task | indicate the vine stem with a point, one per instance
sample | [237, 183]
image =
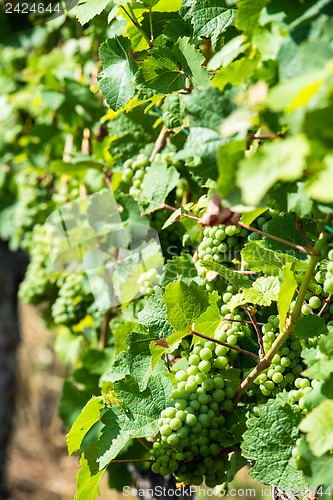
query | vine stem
[105, 329]
[133, 19]
[276, 238]
[234, 348]
[160, 142]
[256, 328]
[287, 330]
[326, 302]
[240, 321]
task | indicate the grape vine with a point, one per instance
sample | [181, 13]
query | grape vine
[210, 122]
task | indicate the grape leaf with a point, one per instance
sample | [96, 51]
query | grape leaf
[154, 316]
[201, 113]
[286, 293]
[281, 160]
[203, 143]
[269, 441]
[285, 227]
[191, 61]
[85, 10]
[236, 73]
[159, 74]
[320, 369]
[87, 418]
[318, 471]
[116, 79]
[319, 188]
[263, 292]
[321, 392]
[118, 370]
[261, 259]
[228, 53]
[238, 280]
[210, 18]
[228, 157]
[318, 426]
[325, 342]
[209, 321]
[248, 13]
[157, 183]
[309, 326]
[136, 417]
[185, 303]
[249, 217]
[173, 111]
[89, 474]
[299, 201]
[139, 358]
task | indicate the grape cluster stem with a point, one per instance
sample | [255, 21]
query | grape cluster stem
[225, 344]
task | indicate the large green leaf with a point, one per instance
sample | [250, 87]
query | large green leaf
[85, 10]
[154, 316]
[89, 475]
[310, 326]
[191, 61]
[136, 417]
[261, 259]
[160, 74]
[269, 441]
[185, 303]
[318, 426]
[210, 18]
[281, 160]
[116, 79]
[209, 321]
[238, 280]
[157, 183]
[319, 187]
[88, 417]
[286, 293]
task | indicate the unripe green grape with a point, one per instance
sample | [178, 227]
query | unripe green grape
[265, 391]
[194, 360]
[218, 382]
[227, 405]
[230, 392]
[221, 362]
[203, 399]
[181, 415]
[195, 405]
[173, 439]
[191, 420]
[315, 302]
[328, 285]
[192, 370]
[181, 375]
[205, 354]
[221, 350]
[165, 430]
[208, 384]
[205, 366]
[277, 378]
[285, 361]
